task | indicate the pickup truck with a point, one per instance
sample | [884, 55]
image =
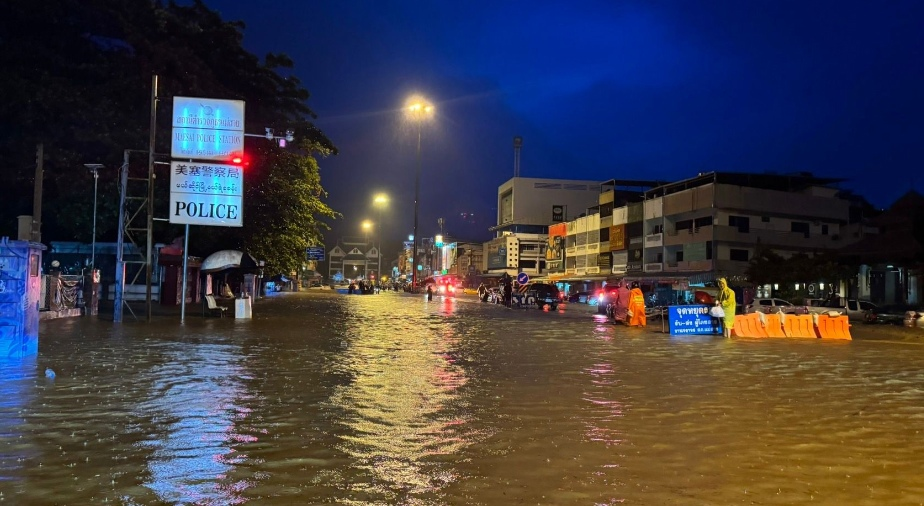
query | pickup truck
[856, 310]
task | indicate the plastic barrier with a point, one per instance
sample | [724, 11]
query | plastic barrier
[774, 326]
[800, 325]
[833, 327]
[748, 325]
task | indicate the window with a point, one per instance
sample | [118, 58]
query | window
[743, 223]
[657, 229]
[703, 221]
[824, 230]
[685, 225]
[800, 227]
[765, 219]
[708, 250]
[679, 256]
[605, 234]
[738, 255]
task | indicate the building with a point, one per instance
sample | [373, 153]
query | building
[526, 207]
[353, 258]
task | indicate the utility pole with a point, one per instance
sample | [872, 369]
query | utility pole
[149, 265]
[37, 192]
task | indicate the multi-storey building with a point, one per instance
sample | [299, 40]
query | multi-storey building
[709, 226]
[526, 207]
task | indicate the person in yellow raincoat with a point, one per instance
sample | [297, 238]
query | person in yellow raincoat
[637, 307]
[726, 300]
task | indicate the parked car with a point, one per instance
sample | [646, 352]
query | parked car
[914, 318]
[583, 298]
[774, 306]
[541, 294]
[856, 310]
[893, 315]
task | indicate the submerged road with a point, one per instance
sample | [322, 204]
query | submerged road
[390, 399]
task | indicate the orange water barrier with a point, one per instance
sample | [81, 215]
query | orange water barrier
[802, 326]
[833, 327]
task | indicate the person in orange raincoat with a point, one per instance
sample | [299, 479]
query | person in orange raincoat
[637, 306]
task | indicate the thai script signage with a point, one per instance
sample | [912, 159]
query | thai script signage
[207, 128]
[690, 320]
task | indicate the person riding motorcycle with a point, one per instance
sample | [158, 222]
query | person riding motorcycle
[619, 307]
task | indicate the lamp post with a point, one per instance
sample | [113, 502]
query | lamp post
[418, 109]
[380, 201]
[367, 226]
[94, 167]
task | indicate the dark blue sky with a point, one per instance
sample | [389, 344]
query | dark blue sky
[598, 90]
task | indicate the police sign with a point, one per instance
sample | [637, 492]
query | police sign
[206, 194]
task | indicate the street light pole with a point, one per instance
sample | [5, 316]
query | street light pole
[95, 168]
[418, 110]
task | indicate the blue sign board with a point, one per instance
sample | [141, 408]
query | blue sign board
[315, 253]
[522, 278]
[690, 320]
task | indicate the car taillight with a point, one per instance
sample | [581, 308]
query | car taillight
[450, 288]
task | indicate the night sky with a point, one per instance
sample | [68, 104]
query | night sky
[598, 90]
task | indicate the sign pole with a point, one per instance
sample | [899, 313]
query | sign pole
[185, 272]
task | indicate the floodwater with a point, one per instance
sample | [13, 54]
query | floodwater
[388, 399]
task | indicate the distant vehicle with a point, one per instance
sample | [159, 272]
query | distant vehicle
[774, 306]
[891, 315]
[583, 298]
[856, 310]
[605, 296]
[542, 294]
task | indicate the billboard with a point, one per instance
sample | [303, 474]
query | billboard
[618, 237]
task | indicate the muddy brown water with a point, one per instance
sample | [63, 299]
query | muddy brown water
[388, 399]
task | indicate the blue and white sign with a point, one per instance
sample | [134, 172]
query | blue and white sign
[315, 253]
[690, 320]
[522, 278]
[207, 128]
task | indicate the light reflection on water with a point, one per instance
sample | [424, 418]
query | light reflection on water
[391, 399]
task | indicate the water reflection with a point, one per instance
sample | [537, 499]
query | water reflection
[198, 401]
[17, 389]
[402, 408]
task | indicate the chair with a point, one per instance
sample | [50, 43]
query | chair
[213, 307]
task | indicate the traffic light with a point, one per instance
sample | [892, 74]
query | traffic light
[240, 159]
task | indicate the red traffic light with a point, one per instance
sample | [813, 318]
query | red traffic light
[240, 159]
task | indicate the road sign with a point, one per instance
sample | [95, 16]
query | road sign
[522, 278]
[206, 194]
[315, 253]
[207, 128]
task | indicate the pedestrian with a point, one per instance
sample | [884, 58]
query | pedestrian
[636, 315]
[429, 292]
[621, 303]
[726, 300]
[508, 292]
[482, 292]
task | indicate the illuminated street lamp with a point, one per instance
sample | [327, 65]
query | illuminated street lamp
[380, 201]
[367, 226]
[417, 110]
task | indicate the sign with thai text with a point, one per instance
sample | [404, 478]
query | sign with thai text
[691, 320]
[207, 128]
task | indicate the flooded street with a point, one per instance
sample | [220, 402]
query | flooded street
[389, 399]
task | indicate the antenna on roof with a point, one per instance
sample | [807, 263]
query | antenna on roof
[517, 144]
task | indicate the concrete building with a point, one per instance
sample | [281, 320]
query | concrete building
[526, 207]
